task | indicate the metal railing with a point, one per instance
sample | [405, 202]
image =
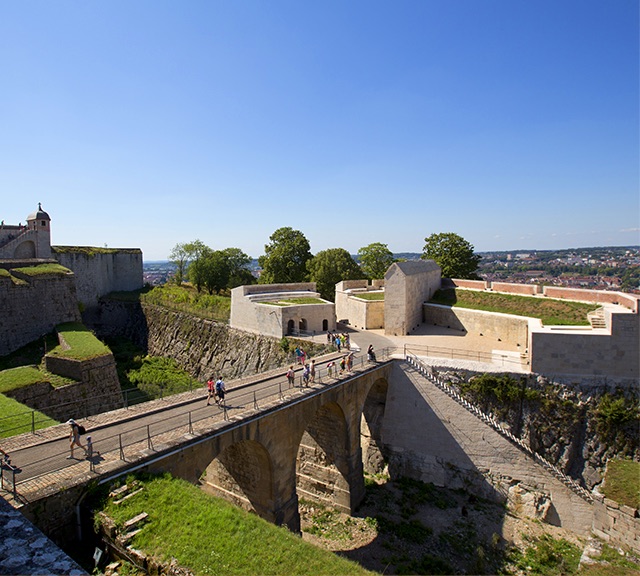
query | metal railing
[240, 403]
[491, 421]
[495, 358]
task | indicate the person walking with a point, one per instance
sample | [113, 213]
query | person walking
[74, 438]
[312, 371]
[211, 390]
[291, 376]
[221, 390]
[305, 374]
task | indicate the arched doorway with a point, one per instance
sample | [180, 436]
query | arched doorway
[325, 325]
[302, 325]
[290, 326]
[373, 453]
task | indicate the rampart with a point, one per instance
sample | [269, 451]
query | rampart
[361, 313]
[616, 523]
[33, 305]
[99, 271]
[97, 389]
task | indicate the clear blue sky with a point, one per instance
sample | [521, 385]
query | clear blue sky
[513, 123]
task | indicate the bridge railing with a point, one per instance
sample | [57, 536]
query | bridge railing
[426, 371]
[241, 402]
[496, 358]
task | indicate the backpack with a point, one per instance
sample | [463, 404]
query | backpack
[81, 429]
[218, 386]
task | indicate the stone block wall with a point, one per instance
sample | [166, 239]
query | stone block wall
[459, 283]
[32, 306]
[504, 329]
[100, 271]
[616, 524]
[363, 314]
[627, 300]
[524, 289]
[585, 353]
[97, 389]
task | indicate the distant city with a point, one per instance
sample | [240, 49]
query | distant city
[601, 268]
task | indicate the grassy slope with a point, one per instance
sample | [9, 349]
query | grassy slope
[551, 312]
[622, 482]
[83, 343]
[16, 418]
[210, 536]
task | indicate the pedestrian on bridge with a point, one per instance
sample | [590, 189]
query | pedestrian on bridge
[221, 389]
[74, 438]
[211, 389]
[291, 376]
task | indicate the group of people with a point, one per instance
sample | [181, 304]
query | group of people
[339, 340]
[216, 389]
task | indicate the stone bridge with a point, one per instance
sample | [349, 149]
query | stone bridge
[307, 443]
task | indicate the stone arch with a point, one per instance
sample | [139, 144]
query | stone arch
[26, 249]
[325, 325]
[373, 454]
[322, 464]
[243, 474]
[302, 325]
[290, 326]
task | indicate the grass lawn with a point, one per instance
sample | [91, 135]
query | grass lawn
[17, 418]
[186, 298]
[211, 536]
[41, 269]
[369, 295]
[622, 482]
[19, 377]
[83, 344]
[550, 312]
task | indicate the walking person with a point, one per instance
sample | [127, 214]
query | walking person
[305, 374]
[74, 438]
[211, 390]
[291, 376]
[221, 390]
[312, 371]
[371, 356]
[349, 361]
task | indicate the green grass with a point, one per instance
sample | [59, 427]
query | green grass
[210, 536]
[82, 342]
[369, 295]
[551, 312]
[548, 556]
[622, 482]
[294, 301]
[92, 250]
[5, 273]
[20, 377]
[42, 269]
[17, 418]
[187, 299]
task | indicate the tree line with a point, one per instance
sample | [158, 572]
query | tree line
[287, 258]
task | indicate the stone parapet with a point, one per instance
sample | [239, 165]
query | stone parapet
[524, 289]
[603, 296]
[618, 525]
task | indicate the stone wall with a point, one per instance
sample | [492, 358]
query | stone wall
[524, 289]
[459, 283]
[97, 389]
[33, 305]
[360, 313]
[503, 329]
[627, 300]
[100, 271]
[616, 524]
[590, 353]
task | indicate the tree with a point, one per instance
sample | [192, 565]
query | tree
[285, 258]
[239, 273]
[217, 271]
[331, 266]
[199, 269]
[453, 254]
[180, 257]
[375, 260]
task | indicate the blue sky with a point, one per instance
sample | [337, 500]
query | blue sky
[147, 123]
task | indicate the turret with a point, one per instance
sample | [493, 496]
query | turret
[40, 222]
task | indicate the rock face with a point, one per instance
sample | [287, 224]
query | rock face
[202, 347]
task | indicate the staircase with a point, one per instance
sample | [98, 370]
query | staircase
[597, 318]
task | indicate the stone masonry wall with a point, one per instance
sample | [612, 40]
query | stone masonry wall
[100, 272]
[32, 306]
[617, 524]
[525, 289]
[97, 389]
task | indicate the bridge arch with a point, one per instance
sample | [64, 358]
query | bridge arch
[371, 422]
[323, 464]
[243, 474]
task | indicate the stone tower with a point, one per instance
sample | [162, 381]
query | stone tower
[40, 223]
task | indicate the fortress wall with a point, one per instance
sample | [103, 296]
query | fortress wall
[504, 329]
[363, 314]
[32, 307]
[616, 524]
[586, 353]
[97, 389]
[100, 271]
[526, 289]
[627, 300]
[459, 283]
[295, 287]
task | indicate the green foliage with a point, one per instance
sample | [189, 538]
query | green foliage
[622, 482]
[498, 392]
[453, 254]
[210, 536]
[17, 418]
[82, 343]
[427, 564]
[285, 257]
[551, 312]
[157, 376]
[375, 260]
[284, 344]
[42, 269]
[549, 557]
[369, 295]
[180, 257]
[331, 266]
[187, 299]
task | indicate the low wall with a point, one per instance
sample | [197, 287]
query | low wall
[97, 390]
[459, 283]
[616, 524]
[504, 329]
[627, 300]
[524, 289]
